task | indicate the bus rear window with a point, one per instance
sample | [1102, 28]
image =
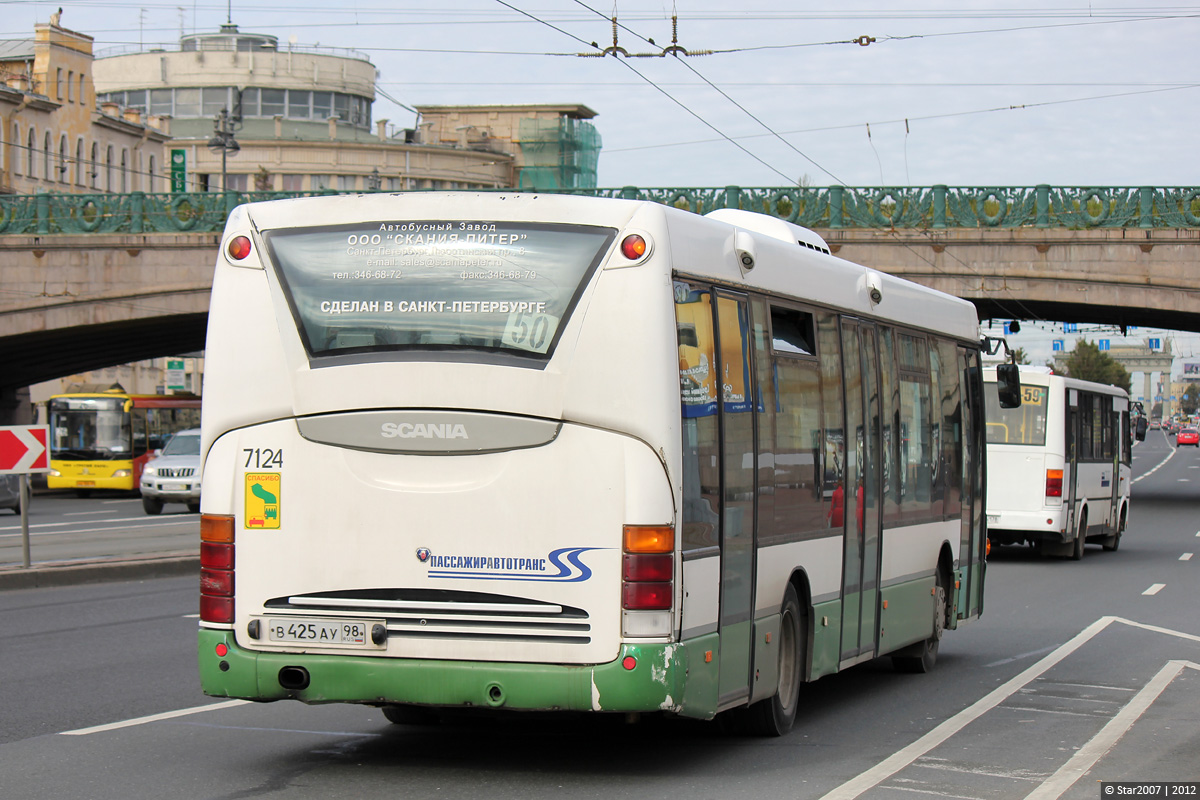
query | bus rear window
[491, 286]
[1025, 424]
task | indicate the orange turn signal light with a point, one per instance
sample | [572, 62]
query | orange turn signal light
[216, 528]
[649, 539]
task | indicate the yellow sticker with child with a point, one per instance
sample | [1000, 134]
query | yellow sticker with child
[262, 500]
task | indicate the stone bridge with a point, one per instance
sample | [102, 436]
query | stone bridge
[91, 281]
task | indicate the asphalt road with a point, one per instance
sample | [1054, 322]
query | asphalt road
[1077, 672]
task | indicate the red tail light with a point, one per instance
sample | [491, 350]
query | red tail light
[648, 570]
[1054, 478]
[646, 596]
[216, 568]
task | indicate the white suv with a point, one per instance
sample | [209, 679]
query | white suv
[174, 476]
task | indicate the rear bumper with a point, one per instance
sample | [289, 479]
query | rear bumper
[1046, 525]
[654, 684]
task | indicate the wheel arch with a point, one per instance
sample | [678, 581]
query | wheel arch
[800, 582]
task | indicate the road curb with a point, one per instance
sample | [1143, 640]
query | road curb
[46, 574]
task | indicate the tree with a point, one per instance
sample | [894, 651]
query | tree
[1020, 356]
[1088, 363]
[1191, 399]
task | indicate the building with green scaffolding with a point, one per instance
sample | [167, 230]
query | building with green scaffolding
[554, 147]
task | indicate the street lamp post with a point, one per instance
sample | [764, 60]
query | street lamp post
[224, 143]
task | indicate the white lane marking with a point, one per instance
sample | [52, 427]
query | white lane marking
[1183, 480]
[1011, 659]
[1087, 756]
[96, 530]
[907, 755]
[1186, 557]
[85, 513]
[1158, 466]
[1155, 589]
[183, 712]
[144, 519]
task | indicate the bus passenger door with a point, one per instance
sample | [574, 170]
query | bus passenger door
[973, 543]
[738, 472]
[860, 578]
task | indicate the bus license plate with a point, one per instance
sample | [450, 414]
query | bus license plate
[321, 632]
[993, 519]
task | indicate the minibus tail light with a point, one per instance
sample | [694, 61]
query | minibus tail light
[216, 568]
[1054, 482]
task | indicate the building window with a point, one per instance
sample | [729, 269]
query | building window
[46, 173]
[62, 160]
[292, 183]
[347, 183]
[150, 175]
[124, 171]
[319, 182]
[299, 104]
[30, 149]
[322, 105]
[70, 81]
[187, 102]
[58, 83]
[79, 165]
[94, 166]
[160, 102]
[215, 100]
[237, 183]
[82, 90]
[108, 169]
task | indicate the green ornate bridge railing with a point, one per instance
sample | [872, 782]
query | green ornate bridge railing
[830, 207]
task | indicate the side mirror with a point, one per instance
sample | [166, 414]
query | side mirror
[1139, 430]
[1008, 385]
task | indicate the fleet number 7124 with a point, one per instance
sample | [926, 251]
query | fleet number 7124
[263, 458]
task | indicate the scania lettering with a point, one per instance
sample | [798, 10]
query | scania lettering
[594, 455]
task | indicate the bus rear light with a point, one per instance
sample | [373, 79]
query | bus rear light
[649, 539]
[216, 568]
[633, 247]
[1054, 482]
[629, 662]
[216, 528]
[216, 582]
[239, 247]
[216, 556]
[649, 567]
[216, 609]
[646, 596]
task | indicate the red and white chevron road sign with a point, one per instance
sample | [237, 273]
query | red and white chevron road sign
[23, 448]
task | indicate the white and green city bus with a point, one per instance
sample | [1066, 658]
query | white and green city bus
[542, 452]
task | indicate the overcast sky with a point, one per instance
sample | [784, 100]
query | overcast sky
[1105, 93]
[988, 93]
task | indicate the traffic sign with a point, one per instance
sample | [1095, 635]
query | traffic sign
[175, 374]
[23, 449]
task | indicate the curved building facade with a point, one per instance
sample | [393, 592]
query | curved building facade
[301, 117]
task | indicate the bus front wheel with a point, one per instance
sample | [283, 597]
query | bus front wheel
[776, 715]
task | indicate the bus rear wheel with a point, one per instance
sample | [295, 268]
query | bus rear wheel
[922, 656]
[1114, 541]
[1080, 538]
[400, 714]
[776, 715]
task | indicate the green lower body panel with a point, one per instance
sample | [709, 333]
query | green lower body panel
[656, 681]
[908, 617]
